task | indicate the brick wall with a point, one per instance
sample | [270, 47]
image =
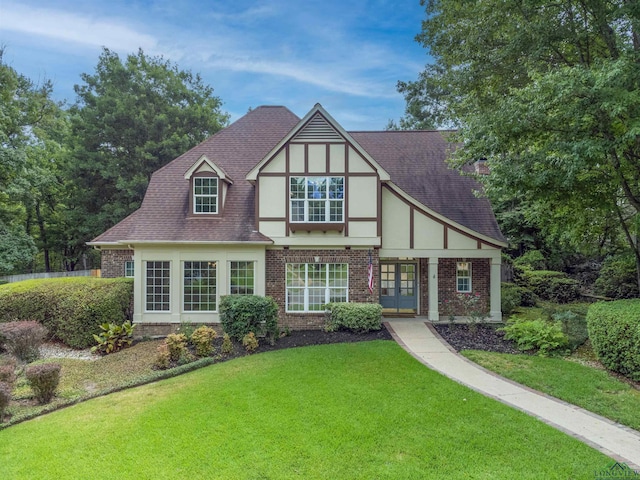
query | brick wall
[358, 261]
[112, 264]
[480, 283]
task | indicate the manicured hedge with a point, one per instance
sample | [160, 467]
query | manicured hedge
[614, 331]
[356, 317]
[241, 314]
[551, 285]
[71, 308]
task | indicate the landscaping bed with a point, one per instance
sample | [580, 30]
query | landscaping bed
[484, 337]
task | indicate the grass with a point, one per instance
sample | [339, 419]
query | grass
[359, 410]
[591, 388]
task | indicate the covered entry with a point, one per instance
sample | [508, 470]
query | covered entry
[399, 287]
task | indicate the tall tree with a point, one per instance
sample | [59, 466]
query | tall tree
[549, 93]
[132, 117]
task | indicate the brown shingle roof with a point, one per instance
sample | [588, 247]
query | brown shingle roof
[236, 149]
[414, 159]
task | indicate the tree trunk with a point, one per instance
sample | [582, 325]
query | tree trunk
[43, 238]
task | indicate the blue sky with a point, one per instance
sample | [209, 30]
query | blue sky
[346, 54]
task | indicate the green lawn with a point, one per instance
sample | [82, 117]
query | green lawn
[362, 410]
[588, 387]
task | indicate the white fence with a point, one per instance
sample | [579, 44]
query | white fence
[31, 276]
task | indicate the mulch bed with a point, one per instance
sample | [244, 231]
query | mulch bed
[485, 337]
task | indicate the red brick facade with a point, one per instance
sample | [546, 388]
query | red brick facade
[480, 284]
[358, 261]
[112, 265]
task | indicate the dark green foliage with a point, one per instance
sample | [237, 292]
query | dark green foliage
[510, 298]
[5, 398]
[537, 335]
[113, 337]
[250, 342]
[43, 380]
[614, 331]
[574, 325]
[241, 314]
[618, 277]
[356, 317]
[23, 339]
[202, 340]
[71, 309]
[551, 285]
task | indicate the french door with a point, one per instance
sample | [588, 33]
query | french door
[399, 287]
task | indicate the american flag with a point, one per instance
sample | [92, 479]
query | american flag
[370, 274]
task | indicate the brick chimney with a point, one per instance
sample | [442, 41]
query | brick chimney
[481, 167]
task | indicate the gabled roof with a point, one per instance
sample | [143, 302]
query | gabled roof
[163, 216]
[413, 161]
[201, 162]
[332, 129]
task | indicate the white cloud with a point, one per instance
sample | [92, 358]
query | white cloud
[72, 27]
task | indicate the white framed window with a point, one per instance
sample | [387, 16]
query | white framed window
[205, 195]
[129, 269]
[157, 286]
[199, 286]
[242, 278]
[317, 199]
[463, 277]
[310, 286]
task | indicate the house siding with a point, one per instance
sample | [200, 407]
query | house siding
[358, 260]
[112, 263]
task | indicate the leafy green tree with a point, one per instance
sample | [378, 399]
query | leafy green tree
[549, 93]
[132, 117]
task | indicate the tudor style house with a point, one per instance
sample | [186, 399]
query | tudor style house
[298, 209]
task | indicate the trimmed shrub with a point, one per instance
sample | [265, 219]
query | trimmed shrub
[163, 357]
[202, 340]
[72, 309]
[355, 317]
[250, 342]
[241, 314]
[540, 335]
[227, 345]
[43, 380]
[113, 337]
[534, 259]
[614, 331]
[551, 285]
[177, 345]
[23, 339]
[617, 278]
[5, 398]
[510, 298]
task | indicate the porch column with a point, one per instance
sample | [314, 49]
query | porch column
[494, 300]
[434, 314]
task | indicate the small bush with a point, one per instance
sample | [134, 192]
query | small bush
[5, 398]
[574, 325]
[510, 298]
[177, 345]
[8, 374]
[250, 342]
[241, 314]
[23, 339]
[202, 340]
[43, 380]
[227, 345]
[551, 285]
[72, 309]
[163, 357]
[355, 317]
[540, 335]
[614, 331]
[113, 337]
[617, 278]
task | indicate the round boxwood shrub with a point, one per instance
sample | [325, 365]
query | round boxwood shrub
[241, 314]
[614, 331]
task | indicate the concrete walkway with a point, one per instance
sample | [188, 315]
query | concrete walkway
[617, 441]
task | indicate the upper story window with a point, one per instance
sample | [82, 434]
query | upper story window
[205, 195]
[317, 199]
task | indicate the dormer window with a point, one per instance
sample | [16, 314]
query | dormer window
[317, 199]
[205, 195]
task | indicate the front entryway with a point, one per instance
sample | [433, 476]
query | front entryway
[399, 287]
